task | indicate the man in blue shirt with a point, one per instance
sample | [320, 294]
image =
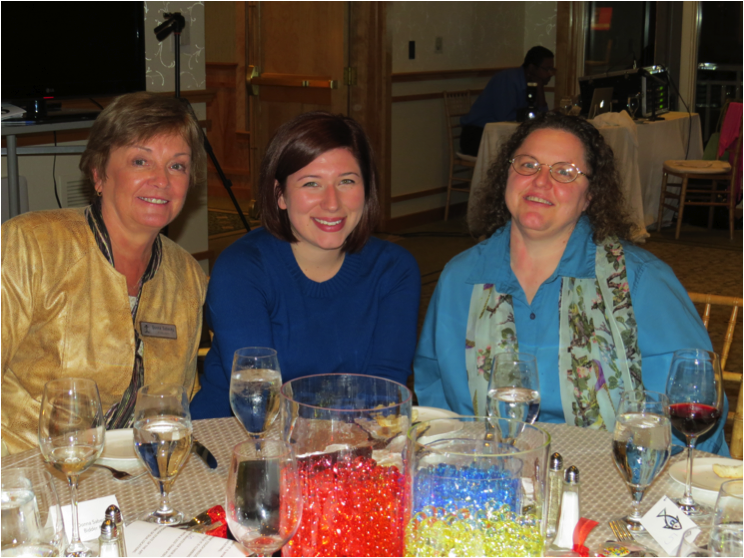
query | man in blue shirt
[505, 94]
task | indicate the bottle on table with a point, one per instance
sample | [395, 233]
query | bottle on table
[114, 513]
[555, 493]
[108, 542]
[570, 512]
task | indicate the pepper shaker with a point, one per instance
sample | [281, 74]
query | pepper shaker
[108, 542]
[114, 513]
[570, 512]
[555, 493]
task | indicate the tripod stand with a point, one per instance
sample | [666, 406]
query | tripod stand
[174, 23]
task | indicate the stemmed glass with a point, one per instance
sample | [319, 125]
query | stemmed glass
[514, 387]
[633, 104]
[31, 516]
[695, 391]
[264, 497]
[641, 444]
[162, 441]
[71, 437]
[726, 535]
[254, 388]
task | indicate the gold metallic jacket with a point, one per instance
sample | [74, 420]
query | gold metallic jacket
[65, 313]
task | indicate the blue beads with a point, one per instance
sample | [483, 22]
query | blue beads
[453, 488]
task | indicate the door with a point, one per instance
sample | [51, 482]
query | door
[298, 52]
[309, 56]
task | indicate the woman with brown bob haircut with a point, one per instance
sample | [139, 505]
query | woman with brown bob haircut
[313, 283]
[557, 278]
[81, 287]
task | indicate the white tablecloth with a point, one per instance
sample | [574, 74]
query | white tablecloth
[640, 167]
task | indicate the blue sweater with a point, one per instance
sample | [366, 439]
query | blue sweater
[361, 321]
[667, 321]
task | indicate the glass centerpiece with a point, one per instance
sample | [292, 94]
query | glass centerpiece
[348, 432]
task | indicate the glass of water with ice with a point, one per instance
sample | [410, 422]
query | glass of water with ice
[31, 516]
[514, 387]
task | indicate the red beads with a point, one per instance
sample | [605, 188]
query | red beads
[351, 507]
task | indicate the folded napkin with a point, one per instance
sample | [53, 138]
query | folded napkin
[621, 119]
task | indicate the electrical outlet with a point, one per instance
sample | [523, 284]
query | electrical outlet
[438, 45]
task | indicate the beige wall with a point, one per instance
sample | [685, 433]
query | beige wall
[190, 228]
[474, 35]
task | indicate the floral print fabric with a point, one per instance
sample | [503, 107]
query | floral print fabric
[598, 351]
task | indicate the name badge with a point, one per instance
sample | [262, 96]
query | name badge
[165, 331]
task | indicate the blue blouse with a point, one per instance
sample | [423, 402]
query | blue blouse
[667, 321]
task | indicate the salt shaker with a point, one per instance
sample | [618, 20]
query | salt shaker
[114, 513]
[555, 493]
[108, 542]
[570, 512]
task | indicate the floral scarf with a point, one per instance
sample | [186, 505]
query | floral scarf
[598, 350]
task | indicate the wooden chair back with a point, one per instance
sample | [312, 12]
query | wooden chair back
[734, 303]
[457, 104]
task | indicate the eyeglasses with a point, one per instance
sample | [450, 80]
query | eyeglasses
[561, 172]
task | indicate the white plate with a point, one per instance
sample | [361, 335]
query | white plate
[440, 428]
[703, 477]
[119, 446]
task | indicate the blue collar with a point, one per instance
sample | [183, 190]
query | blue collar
[494, 264]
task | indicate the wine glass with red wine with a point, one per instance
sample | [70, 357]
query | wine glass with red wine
[695, 391]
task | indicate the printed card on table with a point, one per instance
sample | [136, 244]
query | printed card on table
[91, 514]
[666, 523]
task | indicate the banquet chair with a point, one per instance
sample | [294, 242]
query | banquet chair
[735, 303]
[715, 173]
[457, 104]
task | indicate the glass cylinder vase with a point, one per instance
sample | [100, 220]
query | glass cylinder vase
[348, 432]
[478, 487]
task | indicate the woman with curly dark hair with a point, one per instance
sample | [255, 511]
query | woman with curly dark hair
[557, 277]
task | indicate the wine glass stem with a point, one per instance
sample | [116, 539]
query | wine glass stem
[637, 497]
[165, 507]
[72, 480]
[687, 499]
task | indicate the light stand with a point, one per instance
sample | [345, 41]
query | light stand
[174, 23]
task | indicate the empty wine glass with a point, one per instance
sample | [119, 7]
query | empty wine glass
[31, 516]
[254, 388]
[695, 391]
[162, 441]
[641, 444]
[514, 387]
[264, 498]
[71, 437]
[633, 104]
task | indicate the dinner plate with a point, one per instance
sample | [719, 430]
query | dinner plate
[703, 477]
[119, 446]
[439, 428]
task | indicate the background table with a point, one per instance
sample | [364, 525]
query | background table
[604, 495]
[640, 166]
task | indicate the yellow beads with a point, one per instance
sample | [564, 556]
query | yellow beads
[434, 532]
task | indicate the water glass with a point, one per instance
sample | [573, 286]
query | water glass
[726, 535]
[254, 388]
[264, 496]
[710, 542]
[31, 515]
[641, 444]
[162, 441]
[514, 387]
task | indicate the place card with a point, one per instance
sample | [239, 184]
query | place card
[91, 513]
[149, 539]
[666, 523]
